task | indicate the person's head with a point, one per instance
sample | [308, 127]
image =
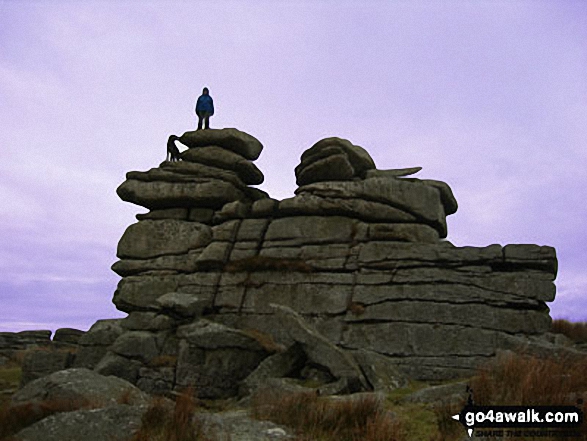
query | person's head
[205, 91]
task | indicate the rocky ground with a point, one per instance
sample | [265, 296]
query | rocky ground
[78, 403]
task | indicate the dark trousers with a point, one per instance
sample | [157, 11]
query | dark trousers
[203, 116]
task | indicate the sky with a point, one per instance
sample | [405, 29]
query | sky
[488, 96]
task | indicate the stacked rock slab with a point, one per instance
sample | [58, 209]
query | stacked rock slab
[358, 253]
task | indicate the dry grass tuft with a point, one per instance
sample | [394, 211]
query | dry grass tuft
[162, 422]
[448, 429]
[363, 418]
[576, 331]
[518, 379]
[521, 379]
[13, 419]
[125, 397]
[264, 263]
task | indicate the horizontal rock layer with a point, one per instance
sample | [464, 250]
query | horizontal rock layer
[357, 253]
[355, 281]
[232, 139]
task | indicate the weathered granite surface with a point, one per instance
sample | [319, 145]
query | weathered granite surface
[357, 252]
[357, 258]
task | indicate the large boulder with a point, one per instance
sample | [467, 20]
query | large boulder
[308, 204]
[157, 381]
[93, 345]
[279, 365]
[114, 423]
[229, 138]
[321, 352]
[81, 386]
[183, 304]
[447, 198]
[141, 292]
[380, 371]
[215, 358]
[102, 333]
[333, 159]
[184, 171]
[421, 200]
[119, 366]
[184, 263]
[531, 256]
[238, 425]
[153, 238]
[139, 345]
[67, 336]
[225, 159]
[335, 167]
[209, 193]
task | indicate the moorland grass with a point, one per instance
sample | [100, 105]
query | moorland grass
[520, 379]
[576, 331]
[17, 417]
[179, 422]
[315, 418]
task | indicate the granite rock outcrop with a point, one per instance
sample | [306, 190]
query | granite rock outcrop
[38, 354]
[349, 284]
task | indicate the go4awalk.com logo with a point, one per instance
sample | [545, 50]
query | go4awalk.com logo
[537, 421]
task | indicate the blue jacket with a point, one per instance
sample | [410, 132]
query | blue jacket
[205, 104]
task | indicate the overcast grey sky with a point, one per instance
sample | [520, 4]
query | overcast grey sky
[488, 96]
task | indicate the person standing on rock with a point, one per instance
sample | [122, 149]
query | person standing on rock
[204, 109]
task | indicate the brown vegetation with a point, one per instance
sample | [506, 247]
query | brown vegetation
[126, 397]
[521, 379]
[448, 429]
[577, 332]
[166, 422]
[265, 263]
[15, 418]
[312, 418]
[518, 379]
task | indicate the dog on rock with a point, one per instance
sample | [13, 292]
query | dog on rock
[172, 150]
